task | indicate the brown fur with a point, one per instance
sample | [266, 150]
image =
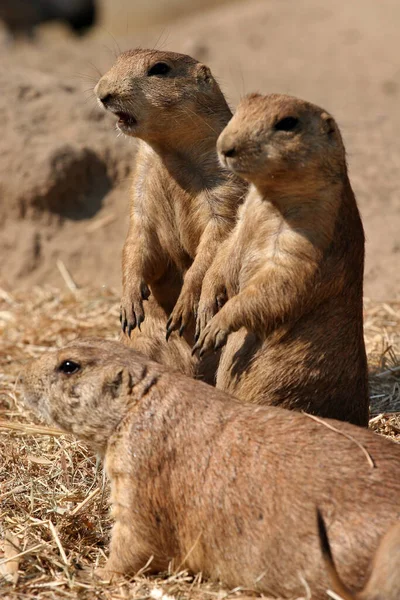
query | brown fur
[183, 202]
[292, 269]
[384, 580]
[217, 485]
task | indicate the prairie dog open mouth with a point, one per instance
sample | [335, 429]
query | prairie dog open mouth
[125, 120]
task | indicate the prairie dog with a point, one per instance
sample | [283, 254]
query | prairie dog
[291, 272]
[216, 485]
[384, 580]
[183, 202]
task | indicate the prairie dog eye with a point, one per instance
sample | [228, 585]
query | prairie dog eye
[286, 124]
[69, 367]
[159, 68]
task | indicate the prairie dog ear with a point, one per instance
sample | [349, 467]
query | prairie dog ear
[328, 123]
[117, 382]
[253, 96]
[204, 73]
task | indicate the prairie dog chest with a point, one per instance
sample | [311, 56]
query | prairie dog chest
[191, 214]
[263, 238]
[176, 216]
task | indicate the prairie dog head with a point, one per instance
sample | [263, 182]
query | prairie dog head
[154, 94]
[277, 140]
[87, 387]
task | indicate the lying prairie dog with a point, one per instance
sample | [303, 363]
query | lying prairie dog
[216, 485]
[384, 580]
[291, 272]
[183, 202]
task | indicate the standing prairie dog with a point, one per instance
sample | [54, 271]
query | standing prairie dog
[183, 202]
[292, 269]
[216, 485]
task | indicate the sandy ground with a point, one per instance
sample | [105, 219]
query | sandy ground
[123, 17]
[64, 174]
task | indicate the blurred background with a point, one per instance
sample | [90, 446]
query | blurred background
[64, 173]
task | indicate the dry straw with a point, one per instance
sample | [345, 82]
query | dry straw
[54, 518]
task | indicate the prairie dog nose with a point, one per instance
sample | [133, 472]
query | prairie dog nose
[227, 145]
[228, 152]
[102, 91]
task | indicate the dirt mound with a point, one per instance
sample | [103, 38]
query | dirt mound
[64, 174]
[60, 166]
[53, 156]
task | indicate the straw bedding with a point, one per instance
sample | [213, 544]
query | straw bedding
[54, 516]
